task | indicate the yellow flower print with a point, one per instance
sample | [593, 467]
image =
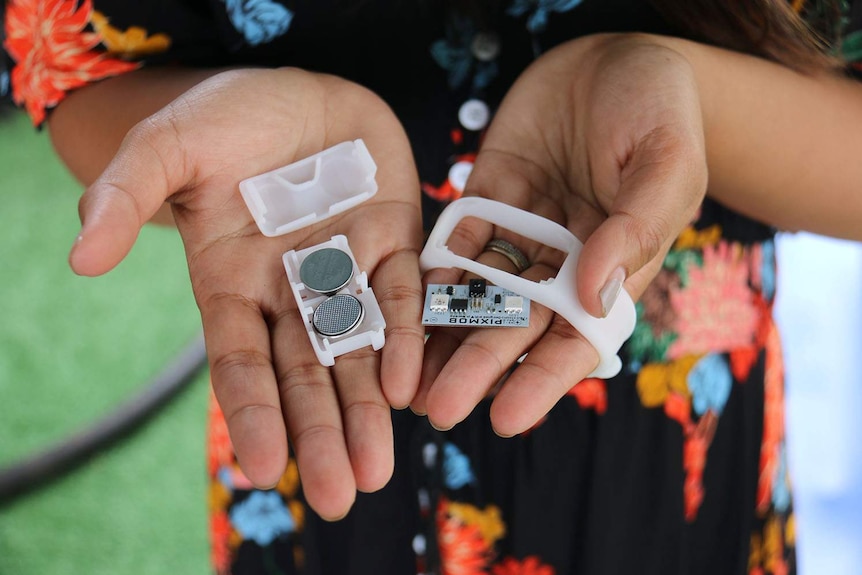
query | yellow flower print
[488, 521]
[652, 384]
[692, 239]
[755, 557]
[289, 482]
[219, 496]
[790, 531]
[298, 512]
[656, 380]
[773, 547]
[235, 539]
[133, 43]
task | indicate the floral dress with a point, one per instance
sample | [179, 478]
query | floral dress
[677, 465]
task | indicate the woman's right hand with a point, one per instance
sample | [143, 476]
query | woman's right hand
[603, 135]
[193, 153]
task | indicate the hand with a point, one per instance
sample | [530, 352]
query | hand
[603, 135]
[193, 154]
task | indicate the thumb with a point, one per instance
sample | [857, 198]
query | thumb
[148, 167]
[660, 189]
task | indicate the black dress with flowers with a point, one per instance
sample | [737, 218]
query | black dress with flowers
[677, 465]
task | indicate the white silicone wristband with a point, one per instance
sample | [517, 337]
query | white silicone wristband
[560, 294]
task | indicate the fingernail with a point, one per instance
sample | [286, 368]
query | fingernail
[72, 251]
[440, 428]
[611, 290]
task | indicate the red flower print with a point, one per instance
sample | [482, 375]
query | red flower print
[695, 448]
[220, 532]
[529, 566]
[773, 419]
[449, 190]
[463, 550]
[53, 54]
[742, 359]
[678, 408]
[591, 393]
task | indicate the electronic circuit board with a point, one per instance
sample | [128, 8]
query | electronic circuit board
[475, 305]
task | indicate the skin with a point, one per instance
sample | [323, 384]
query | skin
[617, 137]
[193, 154]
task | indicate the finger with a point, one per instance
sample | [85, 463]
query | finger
[554, 365]
[659, 191]
[443, 342]
[397, 286]
[367, 419]
[467, 239]
[478, 363]
[440, 347]
[149, 166]
[238, 346]
[314, 424]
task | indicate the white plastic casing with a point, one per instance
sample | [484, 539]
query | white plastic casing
[560, 294]
[370, 330]
[310, 190]
[304, 193]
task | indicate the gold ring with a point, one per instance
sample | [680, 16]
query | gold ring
[512, 253]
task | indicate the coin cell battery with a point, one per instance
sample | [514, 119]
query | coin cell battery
[337, 306]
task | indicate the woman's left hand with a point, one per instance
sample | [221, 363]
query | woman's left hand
[603, 135]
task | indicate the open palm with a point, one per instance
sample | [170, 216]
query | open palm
[265, 375]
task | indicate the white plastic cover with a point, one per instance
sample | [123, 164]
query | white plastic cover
[310, 190]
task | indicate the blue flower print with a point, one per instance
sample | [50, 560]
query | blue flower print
[767, 272]
[4, 83]
[710, 381]
[454, 54]
[262, 517]
[259, 21]
[225, 478]
[538, 20]
[780, 488]
[456, 468]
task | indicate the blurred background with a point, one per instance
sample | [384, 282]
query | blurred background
[71, 349]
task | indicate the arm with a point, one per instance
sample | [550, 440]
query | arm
[781, 146]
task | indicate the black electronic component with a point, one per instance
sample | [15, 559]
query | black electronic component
[458, 305]
[450, 290]
[477, 287]
[498, 299]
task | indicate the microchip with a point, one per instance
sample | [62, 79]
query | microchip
[498, 299]
[477, 288]
[513, 304]
[450, 290]
[439, 302]
[458, 304]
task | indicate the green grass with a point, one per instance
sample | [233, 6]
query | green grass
[71, 349]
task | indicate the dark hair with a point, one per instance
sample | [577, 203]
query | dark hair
[801, 34]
